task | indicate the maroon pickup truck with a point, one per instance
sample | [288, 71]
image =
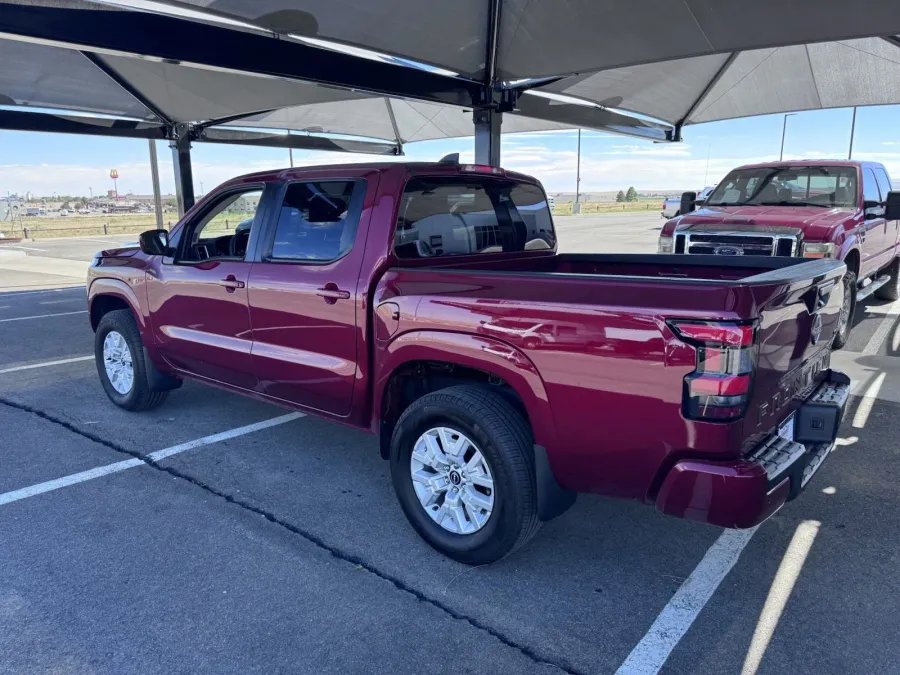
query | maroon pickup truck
[812, 209]
[427, 304]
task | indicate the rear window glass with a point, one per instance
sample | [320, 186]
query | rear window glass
[464, 216]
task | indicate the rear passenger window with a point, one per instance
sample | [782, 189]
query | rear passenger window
[317, 221]
[468, 215]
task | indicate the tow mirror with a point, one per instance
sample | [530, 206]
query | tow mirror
[688, 202]
[892, 206]
[155, 242]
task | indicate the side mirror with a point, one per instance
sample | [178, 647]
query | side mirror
[892, 206]
[688, 202]
[155, 242]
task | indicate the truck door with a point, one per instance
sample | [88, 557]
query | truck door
[198, 297]
[875, 254]
[304, 298]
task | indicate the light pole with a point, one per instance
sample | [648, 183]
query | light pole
[783, 130]
[578, 171]
[852, 131]
[706, 173]
[290, 151]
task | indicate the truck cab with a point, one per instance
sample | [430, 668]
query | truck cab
[812, 209]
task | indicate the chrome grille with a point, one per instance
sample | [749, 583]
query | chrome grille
[712, 243]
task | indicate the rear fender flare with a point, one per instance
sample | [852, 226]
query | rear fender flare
[499, 359]
[479, 352]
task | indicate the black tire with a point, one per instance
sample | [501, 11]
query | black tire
[891, 290]
[139, 397]
[504, 438]
[843, 332]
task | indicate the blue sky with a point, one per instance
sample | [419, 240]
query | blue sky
[48, 163]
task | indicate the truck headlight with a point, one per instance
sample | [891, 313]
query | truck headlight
[812, 250]
[666, 245]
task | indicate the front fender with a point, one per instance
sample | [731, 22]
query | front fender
[119, 289]
[473, 351]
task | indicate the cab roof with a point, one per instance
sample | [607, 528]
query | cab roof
[814, 162]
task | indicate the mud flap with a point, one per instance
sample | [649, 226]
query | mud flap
[156, 380]
[552, 499]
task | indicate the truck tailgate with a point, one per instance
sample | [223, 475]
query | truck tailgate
[798, 314]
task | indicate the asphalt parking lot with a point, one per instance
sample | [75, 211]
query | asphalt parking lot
[218, 534]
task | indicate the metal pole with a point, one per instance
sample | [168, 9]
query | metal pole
[783, 131]
[708, 153]
[181, 159]
[290, 152]
[578, 171]
[852, 132]
[154, 177]
[487, 136]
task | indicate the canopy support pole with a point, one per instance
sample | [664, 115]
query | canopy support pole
[489, 117]
[180, 142]
[154, 177]
[487, 136]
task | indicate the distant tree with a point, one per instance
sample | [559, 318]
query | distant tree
[620, 197]
[631, 195]
[66, 206]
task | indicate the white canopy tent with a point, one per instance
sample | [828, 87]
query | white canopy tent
[406, 70]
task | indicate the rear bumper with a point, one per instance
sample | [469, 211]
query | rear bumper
[745, 492]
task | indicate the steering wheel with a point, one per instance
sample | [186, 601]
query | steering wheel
[424, 250]
[237, 247]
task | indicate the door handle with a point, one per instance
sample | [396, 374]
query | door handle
[230, 283]
[332, 293]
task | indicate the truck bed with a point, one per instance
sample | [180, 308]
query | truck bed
[595, 328]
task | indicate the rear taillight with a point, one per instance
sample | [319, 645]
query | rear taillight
[719, 387]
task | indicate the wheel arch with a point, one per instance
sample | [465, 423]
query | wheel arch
[107, 295]
[852, 259]
[422, 361]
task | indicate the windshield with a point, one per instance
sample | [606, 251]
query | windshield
[823, 186]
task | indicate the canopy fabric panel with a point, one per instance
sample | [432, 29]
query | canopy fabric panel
[39, 76]
[756, 82]
[191, 94]
[451, 35]
[412, 120]
[805, 77]
[539, 39]
[545, 38]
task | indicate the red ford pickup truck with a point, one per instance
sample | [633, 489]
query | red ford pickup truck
[428, 304]
[813, 209]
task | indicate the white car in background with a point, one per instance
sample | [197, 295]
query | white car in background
[551, 202]
[672, 206]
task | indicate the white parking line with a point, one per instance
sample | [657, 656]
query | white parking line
[871, 349]
[24, 248]
[81, 477]
[59, 302]
[45, 364]
[43, 316]
[45, 290]
[677, 616]
[102, 241]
